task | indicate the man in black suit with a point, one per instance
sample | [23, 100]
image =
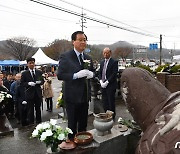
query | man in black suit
[76, 74]
[108, 80]
[32, 80]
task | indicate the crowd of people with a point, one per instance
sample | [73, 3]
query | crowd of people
[75, 69]
[27, 89]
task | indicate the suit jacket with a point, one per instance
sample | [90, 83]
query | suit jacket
[73, 88]
[111, 72]
[20, 94]
[30, 91]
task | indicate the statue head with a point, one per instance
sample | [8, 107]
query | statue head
[143, 95]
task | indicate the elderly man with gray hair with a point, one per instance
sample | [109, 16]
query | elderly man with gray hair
[108, 80]
[13, 89]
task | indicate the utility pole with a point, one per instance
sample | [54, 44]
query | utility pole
[160, 57]
[83, 21]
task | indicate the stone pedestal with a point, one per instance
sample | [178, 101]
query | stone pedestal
[5, 126]
[114, 142]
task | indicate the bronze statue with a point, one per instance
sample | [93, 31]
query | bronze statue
[155, 109]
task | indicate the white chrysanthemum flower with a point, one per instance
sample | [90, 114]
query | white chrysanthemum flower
[58, 127]
[87, 61]
[69, 130]
[8, 96]
[35, 133]
[46, 125]
[53, 121]
[120, 119]
[49, 132]
[39, 126]
[43, 136]
[1, 99]
[61, 137]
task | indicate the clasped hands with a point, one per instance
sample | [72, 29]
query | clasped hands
[34, 83]
[104, 84]
[84, 73]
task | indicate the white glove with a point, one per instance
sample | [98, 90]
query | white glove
[90, 74]
[24, 102]
[31, 84]
[38, 82]
[101, 82]
[81, 73]
[104, 84]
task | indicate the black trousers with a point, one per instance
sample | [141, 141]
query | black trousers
[108, 100]
[77, 114]
[49, 103]
[31, 103]
[17, 110]
[23, 113]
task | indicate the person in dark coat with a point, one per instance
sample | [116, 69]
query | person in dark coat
[10, 106]
[22, 104]
[108, 80]
[3, 109]
[32, 80]
[13, 89]
[76, 74]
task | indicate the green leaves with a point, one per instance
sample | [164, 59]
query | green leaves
[128, 123]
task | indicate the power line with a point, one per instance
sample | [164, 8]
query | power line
[90, 18]
[30, 13]
[104, 16]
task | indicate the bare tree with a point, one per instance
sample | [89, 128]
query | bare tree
[57, 47]
[122, 53]
[20, 47]
[95, 53]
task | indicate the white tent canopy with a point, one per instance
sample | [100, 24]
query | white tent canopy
[42, 59]
[176, 59]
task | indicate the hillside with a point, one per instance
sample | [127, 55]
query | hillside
[166, 53]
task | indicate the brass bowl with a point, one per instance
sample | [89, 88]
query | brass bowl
[83, 138]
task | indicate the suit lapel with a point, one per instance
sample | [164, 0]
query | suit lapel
[109, 63]
[75, 58]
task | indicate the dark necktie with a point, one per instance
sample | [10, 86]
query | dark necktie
[81, 60]
[34, 76]
[104, 71]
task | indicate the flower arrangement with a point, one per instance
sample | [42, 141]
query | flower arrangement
[51, 134]
[87, 63]
[4, 96]
[129, 123]
[60, 101]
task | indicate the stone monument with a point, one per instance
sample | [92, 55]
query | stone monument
[155, 109]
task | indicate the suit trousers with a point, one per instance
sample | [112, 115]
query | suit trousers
[108, 100]
[77, 114]
[23, 113]
[31, 103]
